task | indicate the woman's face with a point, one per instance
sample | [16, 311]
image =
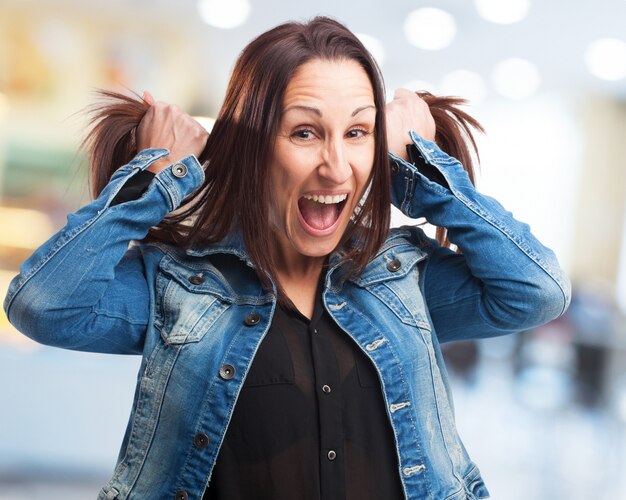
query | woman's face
[323, 155]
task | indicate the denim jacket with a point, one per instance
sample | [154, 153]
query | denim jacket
[197, 317]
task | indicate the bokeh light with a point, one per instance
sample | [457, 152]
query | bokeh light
[224, 14]
[516, 78]
[430, 29]
[606, 59]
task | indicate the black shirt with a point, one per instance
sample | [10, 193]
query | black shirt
[310, 422]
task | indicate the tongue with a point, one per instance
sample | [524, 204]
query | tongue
[318, 215]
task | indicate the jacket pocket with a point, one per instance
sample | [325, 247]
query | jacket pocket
[186, 303]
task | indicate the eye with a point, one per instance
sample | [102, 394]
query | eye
[303, 134]
[358, 133]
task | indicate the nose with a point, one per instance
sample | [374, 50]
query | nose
[335, 165]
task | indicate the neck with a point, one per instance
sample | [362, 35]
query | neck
[294, 266]
[297, 274]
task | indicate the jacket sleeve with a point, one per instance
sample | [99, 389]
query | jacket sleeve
[84, 289]
[133, 188]
[504, 281]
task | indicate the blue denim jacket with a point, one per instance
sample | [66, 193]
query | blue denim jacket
[189, 314]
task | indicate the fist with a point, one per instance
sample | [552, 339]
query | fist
[407, 112]
[166, 126]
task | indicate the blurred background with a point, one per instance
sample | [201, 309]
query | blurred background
[543, 413]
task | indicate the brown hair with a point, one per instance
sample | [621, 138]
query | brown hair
[239, 148]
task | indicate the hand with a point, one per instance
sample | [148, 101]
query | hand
[407, 112]
[166, 126]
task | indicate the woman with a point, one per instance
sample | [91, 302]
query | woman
[279, 287]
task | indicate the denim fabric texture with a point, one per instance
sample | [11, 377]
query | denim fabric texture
[92, 287]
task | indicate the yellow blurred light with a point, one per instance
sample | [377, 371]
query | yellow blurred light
[8, 334]
[4, 107]
[23, 228]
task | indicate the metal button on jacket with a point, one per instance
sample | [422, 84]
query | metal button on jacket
[393, 265]
[332, 455]
[227, 371]
[179, 170]
[326, 388]
[181, 495]
[394, 168]
[196, 279]
[252, 319]
[201, 440]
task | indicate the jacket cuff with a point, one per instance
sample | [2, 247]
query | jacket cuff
[429, 167]
[176, 181]
[181, 179]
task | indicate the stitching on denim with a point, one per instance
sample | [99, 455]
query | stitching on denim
[372, 346]
[398, 406]
[412, 470]
[337, 307]
[402, 379]
[486, 216]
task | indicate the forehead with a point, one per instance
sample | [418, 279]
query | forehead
[322, 81]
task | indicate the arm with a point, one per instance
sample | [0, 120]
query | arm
[83, 289]
[504, 281]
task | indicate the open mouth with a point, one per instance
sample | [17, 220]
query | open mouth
[320, 213]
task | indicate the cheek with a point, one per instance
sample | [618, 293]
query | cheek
[364, 170]
[284, 187]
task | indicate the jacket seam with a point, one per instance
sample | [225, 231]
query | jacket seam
[476, 209]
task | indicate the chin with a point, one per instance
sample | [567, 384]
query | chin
[316, 249]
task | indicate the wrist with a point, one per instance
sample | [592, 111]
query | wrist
[159, 165]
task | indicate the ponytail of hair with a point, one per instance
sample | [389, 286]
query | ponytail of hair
[454, 136]
[111, 142]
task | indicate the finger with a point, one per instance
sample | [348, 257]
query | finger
[403, 93]
[147, 97]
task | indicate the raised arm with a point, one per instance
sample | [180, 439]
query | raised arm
[505, 280]
[84, 289]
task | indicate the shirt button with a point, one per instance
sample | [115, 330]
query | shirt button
[201, 440]
[196, 279]
[227, 371]
[332, 454]
[393, 265]
[326, 388]
[181, 495]
[394, 168]
[252, 319]
[179, 170]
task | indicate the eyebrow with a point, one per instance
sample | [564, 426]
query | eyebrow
[319, 113]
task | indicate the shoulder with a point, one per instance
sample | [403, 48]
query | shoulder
[411, 236]
[404, 248]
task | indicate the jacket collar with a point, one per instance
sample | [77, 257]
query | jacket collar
[231, 244]
[381, 268]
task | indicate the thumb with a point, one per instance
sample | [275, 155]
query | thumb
[147, 97]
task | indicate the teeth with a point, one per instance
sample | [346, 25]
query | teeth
[328, 199]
